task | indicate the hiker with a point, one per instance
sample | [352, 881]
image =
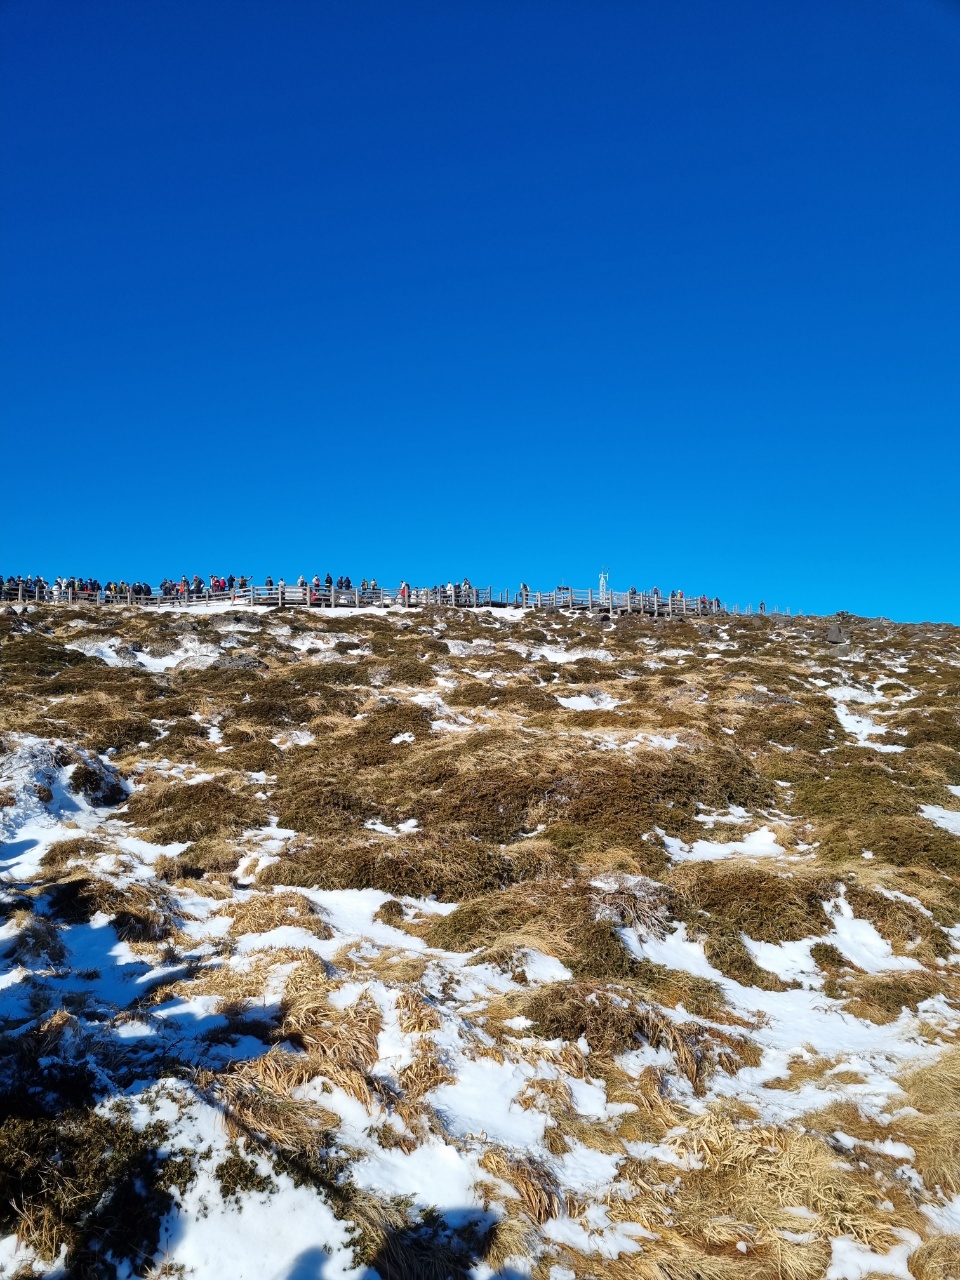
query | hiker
[763, 606]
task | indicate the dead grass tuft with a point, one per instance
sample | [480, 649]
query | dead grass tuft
[342, 1041]
[262, 912]
[141, 912]
[257, 1103]
[415, 1013]
[611, 1022]
[536, 1188]
[426, 1072]
[934, 1133]
[171, 812]
[938, 1259]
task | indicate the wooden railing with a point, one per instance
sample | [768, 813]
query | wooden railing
[282, 595]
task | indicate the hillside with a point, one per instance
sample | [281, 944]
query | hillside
[447, 943]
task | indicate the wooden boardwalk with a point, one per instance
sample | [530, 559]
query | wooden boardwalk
[281, 595]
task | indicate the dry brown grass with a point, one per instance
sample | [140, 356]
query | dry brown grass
[934, 1092]
[343, 1041]
[938, 1259]
[883, 997]
[527, 763]
[261, 912]
[555, 917]
[61, 853]
[142, 912]
[534, 1184]
[426, 1072]
[415, 1013]
[758, 1172]
[170, 811]
[257, 1102]
[901, 923]
[611, 1021]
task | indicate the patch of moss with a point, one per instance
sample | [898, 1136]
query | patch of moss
[238, 1174]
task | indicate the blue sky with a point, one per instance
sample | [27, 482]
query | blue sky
[513, 290]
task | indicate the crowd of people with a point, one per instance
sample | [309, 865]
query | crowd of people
[316, 590]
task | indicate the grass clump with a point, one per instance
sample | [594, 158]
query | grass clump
[625, 799]
[901, 923]
[175, 812]
[141, 912]
[210, 855]
[451, 870]
[372, 743]
[899, 841]
[100, 785]
[883, 997]
[262, 912]
[721, 902]
[90, 1184]
[559, 918]
[62, 852]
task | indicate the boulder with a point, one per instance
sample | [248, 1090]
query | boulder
[835, 635]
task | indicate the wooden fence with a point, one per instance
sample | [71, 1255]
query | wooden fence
[281, 595]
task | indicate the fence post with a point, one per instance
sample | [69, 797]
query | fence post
[280, 590]
[358, 597]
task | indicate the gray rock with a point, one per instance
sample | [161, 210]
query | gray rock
[835, 635]
[239, 662]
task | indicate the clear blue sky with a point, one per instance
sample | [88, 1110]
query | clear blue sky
[510, 288]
